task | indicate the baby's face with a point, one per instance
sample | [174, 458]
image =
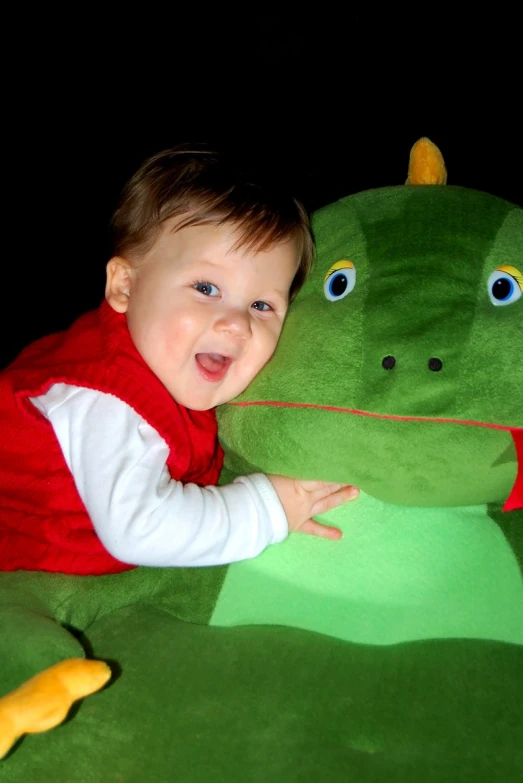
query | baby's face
[206, 317]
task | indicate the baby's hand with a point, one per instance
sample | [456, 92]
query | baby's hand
[302, 500]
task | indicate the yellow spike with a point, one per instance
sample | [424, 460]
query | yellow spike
[44, 701]
[426, 164]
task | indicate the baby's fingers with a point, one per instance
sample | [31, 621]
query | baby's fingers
[312, 528]
[321, 488]
[334, 499]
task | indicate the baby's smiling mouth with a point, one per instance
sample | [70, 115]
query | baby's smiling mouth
[213, 366]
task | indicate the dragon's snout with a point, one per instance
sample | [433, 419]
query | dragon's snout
[434, 364]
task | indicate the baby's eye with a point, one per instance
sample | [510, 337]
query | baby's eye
[208, 289]
[263, 306]
[339, 280]
[505, 285]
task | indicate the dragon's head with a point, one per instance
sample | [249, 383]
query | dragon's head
[400, 366]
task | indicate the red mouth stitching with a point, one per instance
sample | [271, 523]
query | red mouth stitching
[514, 500]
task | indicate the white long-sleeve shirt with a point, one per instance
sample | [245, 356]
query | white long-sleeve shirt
[140, 514]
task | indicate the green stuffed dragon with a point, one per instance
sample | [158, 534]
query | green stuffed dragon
[400, 371]
[394, 654]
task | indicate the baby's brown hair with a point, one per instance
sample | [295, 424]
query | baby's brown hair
[208, 187]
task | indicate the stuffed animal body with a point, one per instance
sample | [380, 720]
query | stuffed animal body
[399, 371]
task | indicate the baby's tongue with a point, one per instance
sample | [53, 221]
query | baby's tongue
[212, 362]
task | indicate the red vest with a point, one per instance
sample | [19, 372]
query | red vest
[44, 525]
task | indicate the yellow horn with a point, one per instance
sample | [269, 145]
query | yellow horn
[426, 164]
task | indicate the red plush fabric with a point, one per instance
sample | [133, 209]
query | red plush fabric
[515, 499]
[43, 522]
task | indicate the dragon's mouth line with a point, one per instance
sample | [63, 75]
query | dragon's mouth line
[515, 499]
[371, 414]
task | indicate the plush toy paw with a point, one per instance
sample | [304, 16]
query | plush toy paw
[43, 702]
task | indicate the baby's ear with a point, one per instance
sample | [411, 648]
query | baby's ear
[118, 285]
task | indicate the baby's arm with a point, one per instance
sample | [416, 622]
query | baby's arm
[141, 515]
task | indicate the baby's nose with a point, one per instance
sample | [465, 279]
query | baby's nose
[236, 321]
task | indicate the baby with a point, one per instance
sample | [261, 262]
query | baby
[109, 455]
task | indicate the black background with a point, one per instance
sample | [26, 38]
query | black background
[330, 99]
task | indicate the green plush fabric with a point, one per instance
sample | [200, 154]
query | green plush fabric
[395, 654]
[197, 704]
[422, 256]
[425, 553]
[400, 573]
[56, 609]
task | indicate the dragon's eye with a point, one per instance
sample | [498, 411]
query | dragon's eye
[505, 285]
[339, 280]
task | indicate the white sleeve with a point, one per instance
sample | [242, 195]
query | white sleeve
[141, 515]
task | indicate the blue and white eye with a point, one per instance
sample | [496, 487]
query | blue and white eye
[205, 288]
[339, 280]
[505, 285]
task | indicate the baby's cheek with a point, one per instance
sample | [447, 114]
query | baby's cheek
[266, 352]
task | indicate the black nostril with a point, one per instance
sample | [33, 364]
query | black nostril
[435, 364]
[388, 362]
